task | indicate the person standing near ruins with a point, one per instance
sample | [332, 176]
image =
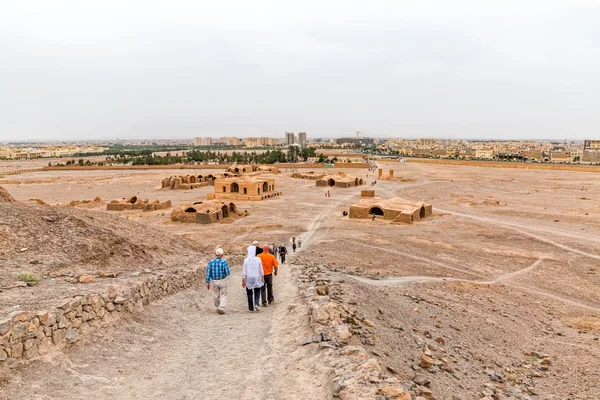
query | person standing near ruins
[270, 266]
[217, 271]
[299, 242]
[253, 279]
[294, 247]
[282, 252]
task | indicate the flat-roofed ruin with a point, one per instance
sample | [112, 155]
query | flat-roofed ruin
[340, 180]
[239, 169]
[310, 175]
[396, 209]
[244, 188]
[135, 203]
[204, 212]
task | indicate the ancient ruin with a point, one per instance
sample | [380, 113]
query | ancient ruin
[135, 203]
[187, 181]
[367, 193]
[204, 212]
[340, 180]
[310, 175]
[396, 209]
[244, 188]
[239, 170]
[385, 177]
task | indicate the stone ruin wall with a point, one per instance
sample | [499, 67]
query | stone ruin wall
[367, 193]
[196, 217]
[140, 205]
[185, 182]
[28, 334]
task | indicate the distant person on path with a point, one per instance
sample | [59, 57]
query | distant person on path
[294, 247]
[269, 264]
[258, 249]
[299, 242]
[373, 217]
[282, 252]
[217, 271]
[253, 278]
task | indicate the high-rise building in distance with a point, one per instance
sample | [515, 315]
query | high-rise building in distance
[289, 138]
[302, 139]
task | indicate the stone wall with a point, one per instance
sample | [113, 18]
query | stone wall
[29, 334]
[235, 196]
[367, 193]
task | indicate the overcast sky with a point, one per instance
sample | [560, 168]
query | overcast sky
[175, 69]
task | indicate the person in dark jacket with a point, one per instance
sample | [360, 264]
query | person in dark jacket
[258, 248]
[282, 253]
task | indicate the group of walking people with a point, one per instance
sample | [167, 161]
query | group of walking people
[260, 265]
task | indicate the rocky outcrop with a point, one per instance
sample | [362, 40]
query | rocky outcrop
[5, 197]
[337, 329]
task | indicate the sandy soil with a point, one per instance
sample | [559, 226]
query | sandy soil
[514, 253]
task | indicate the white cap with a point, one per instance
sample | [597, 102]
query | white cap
[255, 243]
[219, 251]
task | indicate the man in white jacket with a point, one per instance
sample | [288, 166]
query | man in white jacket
[253, 278]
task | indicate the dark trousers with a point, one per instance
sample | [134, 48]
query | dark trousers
[267, 288]
[253, 301]
[282, 258]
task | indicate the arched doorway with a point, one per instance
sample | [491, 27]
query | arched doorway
[232, 207]
[132, 200]
[422, 212]
[190, 210]
[356, 182]
[265, 187]
[235, 188]
[330, 182]
[376, 211]
[225, 211]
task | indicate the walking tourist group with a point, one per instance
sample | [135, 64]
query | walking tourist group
[258, 270]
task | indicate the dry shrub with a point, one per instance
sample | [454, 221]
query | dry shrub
[585, 323]
[28, 277]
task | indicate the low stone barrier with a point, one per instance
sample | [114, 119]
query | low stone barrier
[29, 334]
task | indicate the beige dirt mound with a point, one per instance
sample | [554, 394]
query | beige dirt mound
[46, 239]
[5, 197]
[97, 202]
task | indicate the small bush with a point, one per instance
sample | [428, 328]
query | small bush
[28, 277]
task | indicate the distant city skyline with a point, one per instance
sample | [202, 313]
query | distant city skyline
[458, 70]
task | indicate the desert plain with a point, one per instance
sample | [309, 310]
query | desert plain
[496, 295]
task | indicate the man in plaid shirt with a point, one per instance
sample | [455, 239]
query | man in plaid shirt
[217, 271]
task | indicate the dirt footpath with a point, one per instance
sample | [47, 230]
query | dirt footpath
[182, 349]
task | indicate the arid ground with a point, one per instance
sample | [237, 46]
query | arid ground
[505, 272]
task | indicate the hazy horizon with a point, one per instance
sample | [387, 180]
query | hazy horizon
[140, 70]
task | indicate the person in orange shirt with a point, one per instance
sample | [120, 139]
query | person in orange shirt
[270, 265]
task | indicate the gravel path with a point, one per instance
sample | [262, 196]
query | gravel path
[181, 349]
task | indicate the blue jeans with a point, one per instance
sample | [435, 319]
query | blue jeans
[253, 302]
